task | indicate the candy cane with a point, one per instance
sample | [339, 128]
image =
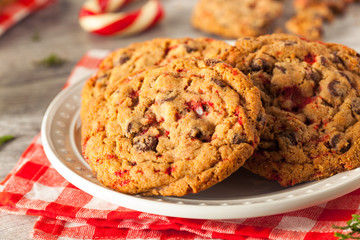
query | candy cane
[99, 16]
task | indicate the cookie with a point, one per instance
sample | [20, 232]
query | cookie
[311, 16]
[174, 129]
[336, 6]
[311, 94]
[141, 55]
[236, 18]
[309, 23]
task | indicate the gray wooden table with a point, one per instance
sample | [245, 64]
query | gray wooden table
[27, 89]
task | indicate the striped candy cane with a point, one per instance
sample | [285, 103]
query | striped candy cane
[99, 17]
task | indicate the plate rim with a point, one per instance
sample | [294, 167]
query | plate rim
[181, 208]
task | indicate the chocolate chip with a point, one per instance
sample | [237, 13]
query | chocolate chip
[268, 146]
[237, 139]
[335, 140]
[308, 121]
[325, 103]
[346, 147]
[337, 59]
[145, 143]
[338, 143]
[219, 82]
[189, 49]
[289, 136]
[196, 133]
[260, 64]
[168, 99]
[133, 128]
[335, 89]
[355, 105]
[211, 62]
[347, 78]
[290, 43]
[134, 102]
[282, 69]
[312, 74]
[123, 59]
[323, 60]
[129, 127]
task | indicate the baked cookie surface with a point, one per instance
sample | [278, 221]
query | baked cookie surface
[139, 56]
[311, 16]
[236, 18]
[173, 130]
[336, 6]
[309, 23]
[159, 51]
[311, 94]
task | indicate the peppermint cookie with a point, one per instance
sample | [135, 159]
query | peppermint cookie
[175, 129]
[141, 55]
[336, 6]
[311, 16]
[236, 18]
[311, 94]
[309, 23]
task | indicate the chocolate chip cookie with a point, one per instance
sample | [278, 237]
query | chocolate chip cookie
[311, 94]
[174, 129]
[236, 18]
[336, 6]
[309, 23]
[141, 55]
[311, 16]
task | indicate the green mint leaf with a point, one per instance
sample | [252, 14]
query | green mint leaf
[353, 226]
[52, 60]
[5, 139]
[35, 37]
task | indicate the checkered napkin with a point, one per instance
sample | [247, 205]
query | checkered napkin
[65, 212]
[18, 10]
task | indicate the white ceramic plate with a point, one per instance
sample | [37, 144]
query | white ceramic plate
[242, 195]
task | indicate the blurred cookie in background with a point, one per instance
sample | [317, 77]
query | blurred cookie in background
[236, 18]
[311, 15]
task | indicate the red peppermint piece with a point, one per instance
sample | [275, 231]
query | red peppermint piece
[121, 173]
[310, 58]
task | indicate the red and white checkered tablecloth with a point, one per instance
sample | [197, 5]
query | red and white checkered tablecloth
[65, 212]
[18, 10]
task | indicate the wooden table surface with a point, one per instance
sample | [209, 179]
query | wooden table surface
[26, 89]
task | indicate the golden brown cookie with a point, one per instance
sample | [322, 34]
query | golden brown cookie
[336, 6]
[236, 18]
[311, 94]
[141, 55]
[309, 23]
[173, 130]
[311, 16]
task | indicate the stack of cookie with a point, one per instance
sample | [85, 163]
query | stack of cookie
[176, 116]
